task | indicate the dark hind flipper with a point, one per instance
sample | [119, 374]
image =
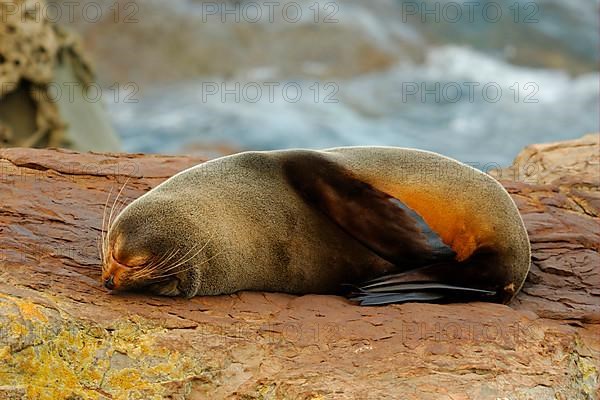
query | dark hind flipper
[411, 292]
[416, 285]
[379, 221]
[380, 299]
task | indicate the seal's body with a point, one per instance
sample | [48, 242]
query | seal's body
[423, 226]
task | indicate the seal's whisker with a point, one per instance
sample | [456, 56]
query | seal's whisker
[163, 259]
[121, 204]
[193, 247]
[182, 261]
[104, 228]
[168, 266]
[189, 267]
[184, 258]
[170, 271]
[99, 245]
[150, 268]
[110, 216]
[116, 199]
[210, 258]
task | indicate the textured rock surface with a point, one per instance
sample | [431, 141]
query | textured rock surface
[556, 187]
[63, 336]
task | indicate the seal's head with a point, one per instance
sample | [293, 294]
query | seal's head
[143, 248]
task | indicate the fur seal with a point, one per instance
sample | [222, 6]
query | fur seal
[381, 224]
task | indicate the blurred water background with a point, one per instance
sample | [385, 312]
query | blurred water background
[473, 80]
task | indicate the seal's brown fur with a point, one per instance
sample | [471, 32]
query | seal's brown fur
[303, 221]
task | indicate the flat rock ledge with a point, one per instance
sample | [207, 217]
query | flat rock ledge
[63, 337]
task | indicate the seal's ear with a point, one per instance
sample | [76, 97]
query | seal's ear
[379, 221]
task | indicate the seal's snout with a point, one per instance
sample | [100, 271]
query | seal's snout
[109, 283]
[121, 275]
[112, 275]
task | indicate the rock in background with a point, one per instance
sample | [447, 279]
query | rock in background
[48, 97]
[62, 336]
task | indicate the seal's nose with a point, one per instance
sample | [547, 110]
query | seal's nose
[109, 283]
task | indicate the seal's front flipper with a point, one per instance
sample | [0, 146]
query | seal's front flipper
[430, 283]
[417, 285]
[386, 292]
[379, 221]
[379, 299]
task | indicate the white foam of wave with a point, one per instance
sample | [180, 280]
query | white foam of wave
[371, 110]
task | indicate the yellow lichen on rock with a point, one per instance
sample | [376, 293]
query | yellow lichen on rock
[587, 369]
[30, 311]
[54, 357]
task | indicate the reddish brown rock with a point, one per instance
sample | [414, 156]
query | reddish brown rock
[63, 336]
